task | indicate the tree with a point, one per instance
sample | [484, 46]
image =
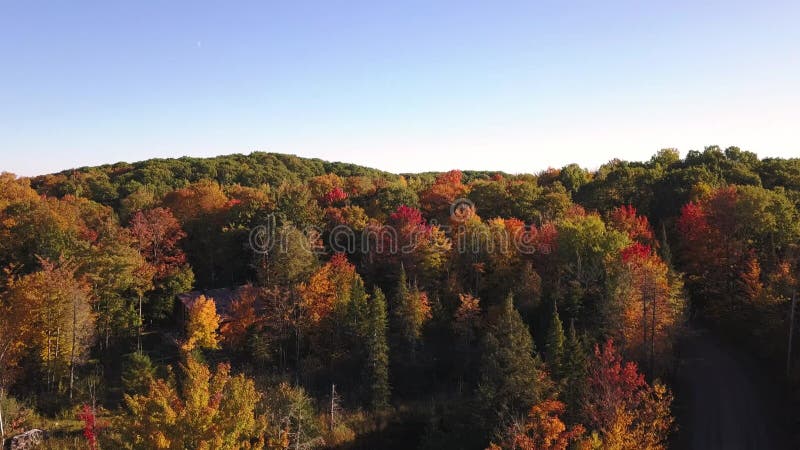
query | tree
[436, 200]
[157, 234]
[491, 198]
[242, 316]
[18, 328]
[62, 327]
[467, 323]
[724, 235]
[203, 198]
[573, 176]
[625, 218]
[388, 198]
[293, 418]
[119, 277]
[750, 280]
[14, 189]
[294, 203]
[377, 351]
[543, 430]
[328, 288]
[466, 319]
[583, 246]
[137, 373]
[622, 407]
[202, 324]
[574, 370]
[142, 198]
[420, 248]
[554, 345]
[410, 310]
[333, 316]
[290, 260]
[90, 426]
[511, 379]
[612, 385]
[211, 410]
[645, 311]
[200, 208]
[322, 185]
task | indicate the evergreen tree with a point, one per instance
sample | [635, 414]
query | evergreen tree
[410, 311]
[511, 376]
[554, 346]
[377, 351]
[402, 291]
[137, 373]
[665, 251]
[574, 367]
[357, 307]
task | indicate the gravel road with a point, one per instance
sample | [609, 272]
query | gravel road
[724, 402]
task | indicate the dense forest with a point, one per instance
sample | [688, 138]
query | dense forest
[271, 301]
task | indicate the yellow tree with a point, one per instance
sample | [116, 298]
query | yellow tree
[644, 428]
[201, 328]
[16, 329]
[59, 325]
[647, 304]
[210, 411]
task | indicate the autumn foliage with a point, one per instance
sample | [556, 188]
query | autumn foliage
[202, 324]
[90, 426]
[626, 411]
[242, 316]
[157, 233]
[210, 410]
[377, 295]
[327, 287]
[542, 430]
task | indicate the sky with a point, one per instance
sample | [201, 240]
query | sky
[403, 86]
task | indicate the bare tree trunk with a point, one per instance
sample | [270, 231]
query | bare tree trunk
[72, 350]
[791, 334]
[333, 396]
[645, 294]
[653, 334]
[58, 350]
[48, 360]
[297, 338]
[2, 427]
[139, 331]
[108, 325]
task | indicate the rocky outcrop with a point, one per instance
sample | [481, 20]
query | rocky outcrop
[27, 440]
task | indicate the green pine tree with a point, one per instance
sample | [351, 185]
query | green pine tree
[402, 290]
[409, 313]
[137, 373]
[377, 351]
[357, 307]
[574, 368]
[510, 375]
[554, 345]
[666, 253]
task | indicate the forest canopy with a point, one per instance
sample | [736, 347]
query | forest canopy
[271, 301]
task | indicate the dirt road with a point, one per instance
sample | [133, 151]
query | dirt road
[723, 402]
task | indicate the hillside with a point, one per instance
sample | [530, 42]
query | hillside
[359, 309]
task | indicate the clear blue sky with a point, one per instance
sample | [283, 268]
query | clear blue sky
[401, 85]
